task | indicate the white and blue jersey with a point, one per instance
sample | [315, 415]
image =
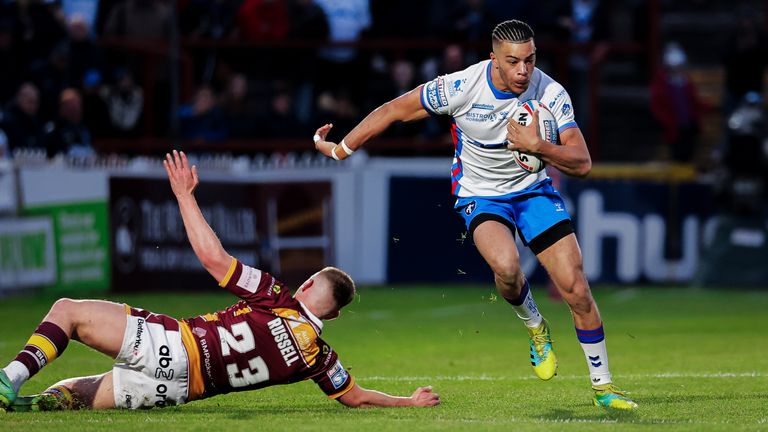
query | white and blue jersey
[488, 183]
[482, 164]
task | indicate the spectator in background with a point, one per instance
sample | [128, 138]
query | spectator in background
[263, 20]
[746, 157]
[11, 70]
[207, 18]
[338, 107]
[675, 104]
[584, 21]
[472, 21]
[125, 103]
[68, 135]
[52, 75]
[203, 119]
[239, 109]
[745, 58]
[81, 10]
[95, 112]
[346, 19]
[21, 122]
[84, 55]
[281, 121]
[139, 19]
[308, 23]
[37, 27]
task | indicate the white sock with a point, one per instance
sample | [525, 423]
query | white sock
[596, 354]
[17, 373]
[525, 307]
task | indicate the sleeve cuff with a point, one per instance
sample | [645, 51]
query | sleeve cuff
[232, 266]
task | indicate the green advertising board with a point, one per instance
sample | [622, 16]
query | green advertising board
[82, 245]
[27, 257]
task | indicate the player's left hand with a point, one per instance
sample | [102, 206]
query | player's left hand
[526, 139]
[425, 397]
[183, 179]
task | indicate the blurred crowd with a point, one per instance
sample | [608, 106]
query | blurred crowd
[67, 82]
[77, 73]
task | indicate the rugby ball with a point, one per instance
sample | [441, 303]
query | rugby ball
[547, 128]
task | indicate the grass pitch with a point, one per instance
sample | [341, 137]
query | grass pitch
[694, 360]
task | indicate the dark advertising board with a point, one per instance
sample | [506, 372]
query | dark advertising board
[278, 227]
[629, 232]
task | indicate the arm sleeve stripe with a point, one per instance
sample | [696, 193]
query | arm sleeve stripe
[343, 392]
[228, 276]
[566, 126]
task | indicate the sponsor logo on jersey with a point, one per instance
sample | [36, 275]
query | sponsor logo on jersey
[206, 359]
[283, 341]
[566, 109]
[559, 95]
[481, 106]
[164, 371]
[470, 208]
[338, 375]
[480, 117]
[559, 207]
[276, 288]
[550, 131]
[436, 94]
[139, 331]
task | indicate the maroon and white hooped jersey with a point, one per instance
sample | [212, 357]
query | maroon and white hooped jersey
[265, 339]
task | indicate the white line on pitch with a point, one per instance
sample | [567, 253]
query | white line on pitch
[566, 377]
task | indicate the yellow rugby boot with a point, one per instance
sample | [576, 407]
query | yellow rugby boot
[543, 357]
[609, 396]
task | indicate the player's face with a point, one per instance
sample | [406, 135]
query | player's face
[515, 62]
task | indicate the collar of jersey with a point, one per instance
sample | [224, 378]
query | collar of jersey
[315, 320]
[496, 92]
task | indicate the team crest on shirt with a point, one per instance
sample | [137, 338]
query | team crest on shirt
[470, 208]
[455, 87]
[566, 109]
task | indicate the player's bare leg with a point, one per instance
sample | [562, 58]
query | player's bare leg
[563, 262]
[496, 244]
[98, 324]
[91, 392]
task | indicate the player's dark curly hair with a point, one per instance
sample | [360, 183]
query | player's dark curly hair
[343, 286]
[514, 31]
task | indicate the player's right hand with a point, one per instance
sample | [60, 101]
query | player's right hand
[425, 397]
[183, 179]
[321, 145]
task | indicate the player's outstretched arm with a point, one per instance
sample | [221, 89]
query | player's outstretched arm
[359, 397]
[405, 108]
[204, 242]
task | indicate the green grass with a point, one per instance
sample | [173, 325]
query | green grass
[694, 360]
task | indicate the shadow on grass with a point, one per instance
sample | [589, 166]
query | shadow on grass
[686, 399]
[600, 415]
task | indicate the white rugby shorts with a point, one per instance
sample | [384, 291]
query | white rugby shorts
[151, 369]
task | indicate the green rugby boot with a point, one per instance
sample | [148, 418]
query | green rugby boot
[609, 396]
[53, 399]
[543, 357]
[7, 393]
